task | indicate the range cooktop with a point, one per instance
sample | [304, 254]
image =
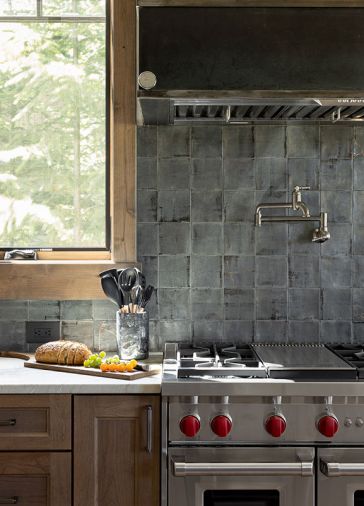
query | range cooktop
[300, 362]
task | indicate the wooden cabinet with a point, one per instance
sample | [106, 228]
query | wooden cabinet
[116, 450]
[36, 478]
[36, 423]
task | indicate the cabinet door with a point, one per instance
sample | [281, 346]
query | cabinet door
[116, 450]
[36, 478]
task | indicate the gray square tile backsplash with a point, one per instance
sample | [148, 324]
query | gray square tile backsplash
[218, 276]
[231, 280]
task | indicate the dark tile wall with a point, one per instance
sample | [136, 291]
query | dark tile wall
[220, 277]
[89, 322]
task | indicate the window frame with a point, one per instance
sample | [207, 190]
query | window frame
[73, 274]
[251, 3]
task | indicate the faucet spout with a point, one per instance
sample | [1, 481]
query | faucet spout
[301, 206]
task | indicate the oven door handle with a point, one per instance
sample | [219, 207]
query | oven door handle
[243, 468]
[333, 469]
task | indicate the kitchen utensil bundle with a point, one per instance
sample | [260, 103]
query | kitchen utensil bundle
[126, 288]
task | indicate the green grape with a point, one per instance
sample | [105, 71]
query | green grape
[95, 360]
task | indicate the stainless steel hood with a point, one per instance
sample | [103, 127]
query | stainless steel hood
[242, 65]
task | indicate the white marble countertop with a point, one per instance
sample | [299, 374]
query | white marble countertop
[23, 380]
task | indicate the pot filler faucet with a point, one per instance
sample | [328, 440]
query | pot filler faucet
[320, 234]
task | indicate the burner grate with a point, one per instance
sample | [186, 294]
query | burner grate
[219, 361]
[353, 354]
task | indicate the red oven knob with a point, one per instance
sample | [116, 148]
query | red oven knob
[275, 425]
[221, 425]
[328, 425]
[190, 425]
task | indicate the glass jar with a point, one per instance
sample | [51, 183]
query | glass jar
[132, 335]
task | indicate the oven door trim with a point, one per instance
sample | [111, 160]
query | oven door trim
[192, 471]
[340, 475]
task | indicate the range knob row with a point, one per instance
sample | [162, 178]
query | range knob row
[190, 425]
[275, 425]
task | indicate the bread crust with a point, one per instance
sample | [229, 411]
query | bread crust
[82, 354]
[62, 352]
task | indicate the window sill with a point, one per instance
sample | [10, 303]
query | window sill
[54, 279]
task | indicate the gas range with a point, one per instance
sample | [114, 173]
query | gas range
[242, 423]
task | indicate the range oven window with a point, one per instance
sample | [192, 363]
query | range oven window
[359, 498]
[244, 498]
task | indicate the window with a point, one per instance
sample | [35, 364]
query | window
[72, 274]
[53, 125]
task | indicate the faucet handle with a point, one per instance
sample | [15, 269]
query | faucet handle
[301, 188]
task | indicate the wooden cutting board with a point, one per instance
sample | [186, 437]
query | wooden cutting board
[94, 372]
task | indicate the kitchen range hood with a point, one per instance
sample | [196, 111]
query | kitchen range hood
[236, 65]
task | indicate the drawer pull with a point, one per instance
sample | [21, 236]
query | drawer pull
[6, 423]
[9, 500]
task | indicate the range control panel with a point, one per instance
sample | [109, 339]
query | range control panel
[274, 420]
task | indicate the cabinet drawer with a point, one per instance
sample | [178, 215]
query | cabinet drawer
[35, 479]
[35, 422]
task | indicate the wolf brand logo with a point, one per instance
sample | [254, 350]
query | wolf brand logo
[350, 100]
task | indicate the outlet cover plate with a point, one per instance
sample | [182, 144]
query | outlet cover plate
[43, 331]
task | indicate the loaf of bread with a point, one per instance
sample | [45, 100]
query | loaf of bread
[63, 353]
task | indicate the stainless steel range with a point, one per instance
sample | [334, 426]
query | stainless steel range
[263, 425]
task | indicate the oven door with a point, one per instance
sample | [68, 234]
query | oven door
[341, 477]
[241, 477]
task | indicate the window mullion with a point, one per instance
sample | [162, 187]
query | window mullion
[39, 8]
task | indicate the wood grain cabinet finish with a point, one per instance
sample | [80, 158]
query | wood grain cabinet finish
[36, 478]
[116, 450]
[35, 422]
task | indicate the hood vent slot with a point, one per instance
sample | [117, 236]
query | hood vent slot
[230, 114]
[172, 110]
[238, 114]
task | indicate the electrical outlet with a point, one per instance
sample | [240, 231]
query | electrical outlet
[42, 332]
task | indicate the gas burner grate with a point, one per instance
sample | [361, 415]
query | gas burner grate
[353, 354]
[219, 361]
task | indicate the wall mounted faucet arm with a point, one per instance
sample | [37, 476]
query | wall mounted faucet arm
[260, 207]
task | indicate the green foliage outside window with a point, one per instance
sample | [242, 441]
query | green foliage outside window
[52, 126]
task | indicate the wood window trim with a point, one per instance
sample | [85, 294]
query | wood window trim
[74, 275]
[251, 3]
